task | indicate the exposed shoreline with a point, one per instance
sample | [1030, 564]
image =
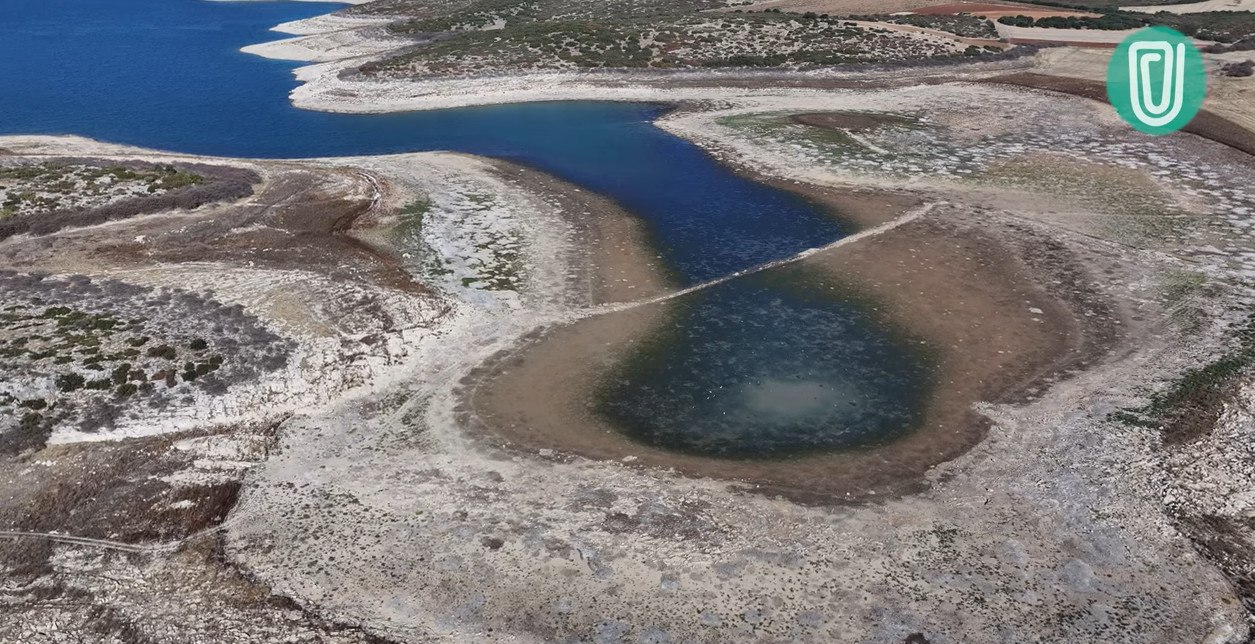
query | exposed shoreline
[336, 44]
[864, 209]
[1052, 503]
[536, 397]
[1059, 269]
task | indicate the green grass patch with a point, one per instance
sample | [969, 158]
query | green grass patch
[1191, 405]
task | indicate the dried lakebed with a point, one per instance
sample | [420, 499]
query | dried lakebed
[404, 503]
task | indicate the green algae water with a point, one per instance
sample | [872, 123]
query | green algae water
[754, 367]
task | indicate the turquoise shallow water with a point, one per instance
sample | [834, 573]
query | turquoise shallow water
[785, 372]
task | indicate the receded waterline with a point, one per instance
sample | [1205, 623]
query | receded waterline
[167, 74]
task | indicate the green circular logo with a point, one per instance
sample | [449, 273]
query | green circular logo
[1156, 80]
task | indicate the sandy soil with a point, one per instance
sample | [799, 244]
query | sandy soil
[614, 244]
[319, 207]
[327, 38]
[1222, 121]
[891, 26]
[1198, 7]
[1230, 98]
[307, 253]
[111, 535]
[1074, 37]
[1055, 503]
[1227, 97]
[505, 545]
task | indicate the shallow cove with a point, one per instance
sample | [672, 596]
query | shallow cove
[784, 373]
[765, 366]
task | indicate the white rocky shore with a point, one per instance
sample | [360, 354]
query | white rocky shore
[377, 510]
[381, 512]
[329, 38]
[352, 340]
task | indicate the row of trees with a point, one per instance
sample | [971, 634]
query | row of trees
[1220, 26]
[1108, 22]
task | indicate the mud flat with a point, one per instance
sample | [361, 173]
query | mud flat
[697, 557]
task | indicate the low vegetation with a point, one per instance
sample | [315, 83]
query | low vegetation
[696, 41]
[963, 25]
[83, 354]
[467, 37]
[488, 11]
[46, 197]
[1219, 26]
[1238, 70]
[45, 187]
[1245, 44]
[463, 37]
[1191, 405]
[1115, 21]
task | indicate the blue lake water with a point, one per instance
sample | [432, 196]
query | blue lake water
[167, 74]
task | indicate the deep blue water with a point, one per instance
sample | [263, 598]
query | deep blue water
[167, 74]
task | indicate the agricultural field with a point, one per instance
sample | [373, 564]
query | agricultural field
[1106, 4]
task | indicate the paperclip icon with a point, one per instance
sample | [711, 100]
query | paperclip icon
[1152, 111]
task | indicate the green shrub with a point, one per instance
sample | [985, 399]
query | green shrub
[121, 373]
[99, 384]
[31, 421]
[69, 382]
[164, 351]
